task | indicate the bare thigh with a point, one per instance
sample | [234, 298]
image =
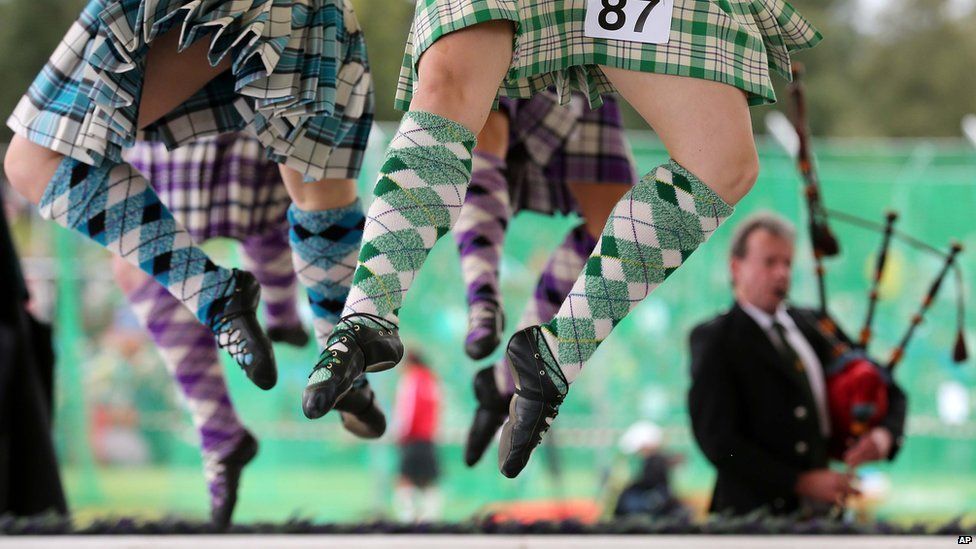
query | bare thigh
[172, 77]
[705, 126]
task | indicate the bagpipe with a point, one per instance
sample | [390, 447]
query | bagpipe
[857, 384]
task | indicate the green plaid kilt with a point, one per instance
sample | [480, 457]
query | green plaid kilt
[736, 42]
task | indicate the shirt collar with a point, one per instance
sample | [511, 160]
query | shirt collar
[764, 319]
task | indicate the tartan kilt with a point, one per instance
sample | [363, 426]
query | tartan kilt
[736, 42]
[217, 187]
[551, 145]
[299, 79]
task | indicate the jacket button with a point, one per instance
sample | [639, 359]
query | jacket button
[801, 447]
[800, 412]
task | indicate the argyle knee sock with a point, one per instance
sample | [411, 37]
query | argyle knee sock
[561, 271]
[480, 235]
[190, 355]
[268, 257]
[325, 245]
[652, 230]
[116, 207]
[419, 193]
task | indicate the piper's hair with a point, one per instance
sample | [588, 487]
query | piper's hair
[767, 221]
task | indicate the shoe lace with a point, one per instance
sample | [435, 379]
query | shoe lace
[221, 325]
[482, 313]
[344, 331]
[551, 407]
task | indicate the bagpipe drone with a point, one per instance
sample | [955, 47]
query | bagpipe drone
[857, 383]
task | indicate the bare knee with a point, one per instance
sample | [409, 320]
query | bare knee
[730, 172]
[451, 85]
[444, 90]
[325, 194]
[29, 168]
[743, 172]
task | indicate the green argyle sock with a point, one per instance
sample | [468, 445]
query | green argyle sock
[652, 230]
[419, 193]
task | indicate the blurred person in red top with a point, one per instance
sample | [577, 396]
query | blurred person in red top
[418, 402]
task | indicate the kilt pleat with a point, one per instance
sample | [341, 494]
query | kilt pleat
[299, 79]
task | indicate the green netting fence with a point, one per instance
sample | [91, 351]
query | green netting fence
[315, 470]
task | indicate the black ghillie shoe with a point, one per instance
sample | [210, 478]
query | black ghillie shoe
[540, 388]
[236, 328]
[354, 349]
[295, 336]
[360, 413]
[488, 418]
[486, 323]
[381, 345]
[223, 480]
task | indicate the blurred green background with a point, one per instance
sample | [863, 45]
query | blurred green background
[887, 89]
[314, 469]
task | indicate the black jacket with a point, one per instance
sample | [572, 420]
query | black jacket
[29, 479]
[754, 418]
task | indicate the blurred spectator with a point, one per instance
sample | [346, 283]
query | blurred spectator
[650, 492]
[418, 402]
[121, 367]
[29, 478]
[758, 400]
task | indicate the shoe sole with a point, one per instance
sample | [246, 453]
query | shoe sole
[266, 342]
[357, 428]
[479, 352]
[505, 443]
[330, 408]
[380, 366]
[468, 447]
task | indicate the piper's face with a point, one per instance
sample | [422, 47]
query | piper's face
[762, 277]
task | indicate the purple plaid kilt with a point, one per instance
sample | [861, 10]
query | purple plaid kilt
[552, 145]
[217, 187]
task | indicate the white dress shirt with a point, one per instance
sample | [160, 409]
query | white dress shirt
[811, 364]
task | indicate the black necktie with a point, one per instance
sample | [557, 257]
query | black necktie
[790, 355]
[786, 350]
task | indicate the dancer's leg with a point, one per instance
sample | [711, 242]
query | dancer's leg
[115, 206]
[419, 193]
[651, 231]
[190, 355]
[268, 257]
[480, 236]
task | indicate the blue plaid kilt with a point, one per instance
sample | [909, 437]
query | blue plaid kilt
[299, 81]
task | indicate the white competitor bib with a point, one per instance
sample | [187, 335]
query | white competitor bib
[647, 21]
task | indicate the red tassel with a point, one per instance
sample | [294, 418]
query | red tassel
[959, 352]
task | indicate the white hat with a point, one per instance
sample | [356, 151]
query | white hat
[640, 435]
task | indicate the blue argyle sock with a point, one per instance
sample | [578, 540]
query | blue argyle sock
[114, 205]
